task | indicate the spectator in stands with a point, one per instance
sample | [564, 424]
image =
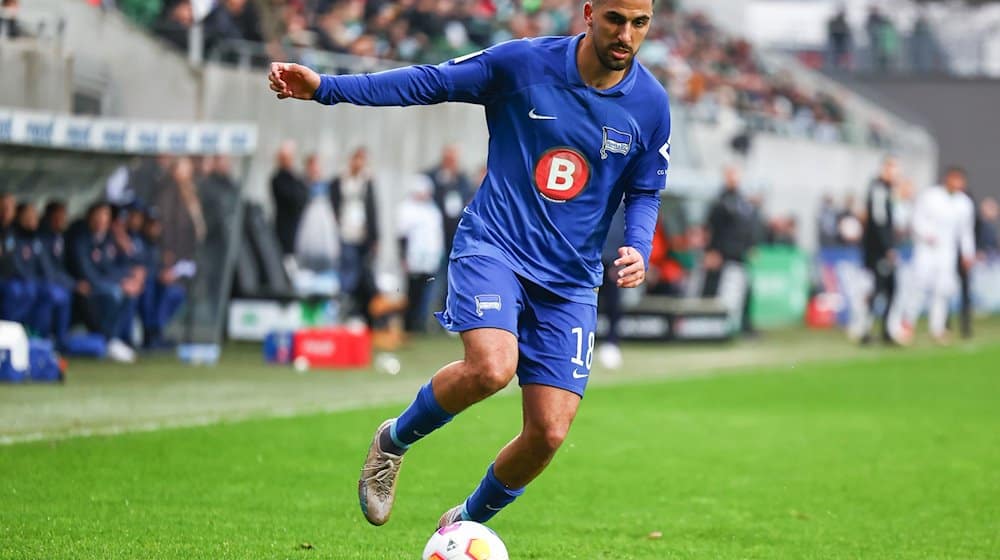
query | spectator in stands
[92, 260]
[827, 223]
[883, 39]
[163, 294]
[879, 245]
[23, 300]
[317, 241]
[126, 231]
[290, 195]
[987, 239]
[838, 40]
[666, 271]
[146, 179]
[353, 197]
[452, 191]
[61, 285]
[731, 237]
[232, 20]
[923, 49]
[8, 210]
[219, 197]
[10, 28]
[422, 245]
[849, 226]
[180, 210]
[175, 22]
[8, 206]
[782, 232]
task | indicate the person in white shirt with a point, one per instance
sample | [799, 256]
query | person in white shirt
[421, 236]
[943, 224]
[352, 195]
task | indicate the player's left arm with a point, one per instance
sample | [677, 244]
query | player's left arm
[648, 176]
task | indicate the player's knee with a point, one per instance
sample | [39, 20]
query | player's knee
[494, 375]
[548, 439]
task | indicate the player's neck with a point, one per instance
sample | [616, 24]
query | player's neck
[592, 72]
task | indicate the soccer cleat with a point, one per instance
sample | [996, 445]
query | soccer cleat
[453, 515]
[377, 486]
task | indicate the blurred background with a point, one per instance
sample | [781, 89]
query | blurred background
[156, 197]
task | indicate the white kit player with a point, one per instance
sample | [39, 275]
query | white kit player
[943, 222]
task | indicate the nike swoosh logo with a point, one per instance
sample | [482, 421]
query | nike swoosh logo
[533, 115]
[491, 508]
[418, 434]
[579, 375]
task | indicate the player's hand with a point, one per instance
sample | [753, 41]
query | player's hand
[288, 79]
[968, 262]
[631, 268]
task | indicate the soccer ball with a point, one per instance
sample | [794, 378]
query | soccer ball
[465, 540]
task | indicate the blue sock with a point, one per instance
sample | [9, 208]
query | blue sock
[419, 419]
[488, 499]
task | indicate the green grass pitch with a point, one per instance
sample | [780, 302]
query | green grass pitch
[893, 454]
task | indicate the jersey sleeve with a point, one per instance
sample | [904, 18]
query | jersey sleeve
[644, 180]
[472, 78]
[649, 171]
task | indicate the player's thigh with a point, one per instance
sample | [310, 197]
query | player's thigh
[556, 343]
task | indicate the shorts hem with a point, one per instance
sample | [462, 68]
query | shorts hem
[555, 384]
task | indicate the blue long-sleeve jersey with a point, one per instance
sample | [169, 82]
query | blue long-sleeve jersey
[562, 155]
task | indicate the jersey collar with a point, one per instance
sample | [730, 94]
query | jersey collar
[573, 74]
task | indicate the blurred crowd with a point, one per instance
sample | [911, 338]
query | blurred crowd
[887, 48]
[126, 262]
[328, 223]
[700, 65]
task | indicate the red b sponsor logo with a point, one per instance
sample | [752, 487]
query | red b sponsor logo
[561, 174]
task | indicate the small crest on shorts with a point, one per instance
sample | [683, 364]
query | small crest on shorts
[486, 302]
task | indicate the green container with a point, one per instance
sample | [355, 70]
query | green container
[780, 279]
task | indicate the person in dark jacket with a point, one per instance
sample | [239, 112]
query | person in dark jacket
[352, 195]
[163, 294]
[50, 315]
[23, 301]
[878, 244]
[290, 196]
[8, 207]
[93, 260]
[61, 285]
[452, 191]
[180, 210]
[126, 226]
[731, 229]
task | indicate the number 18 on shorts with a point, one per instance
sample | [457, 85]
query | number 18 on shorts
[555, 335]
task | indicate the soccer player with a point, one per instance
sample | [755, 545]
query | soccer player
[943, 225]
[576, 125]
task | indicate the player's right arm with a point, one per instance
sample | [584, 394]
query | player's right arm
[470, 79]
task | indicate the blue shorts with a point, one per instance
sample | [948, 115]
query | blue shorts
[555, 336]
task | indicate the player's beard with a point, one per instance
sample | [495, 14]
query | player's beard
[609, 61]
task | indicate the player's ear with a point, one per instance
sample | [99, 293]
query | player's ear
[588, 13]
